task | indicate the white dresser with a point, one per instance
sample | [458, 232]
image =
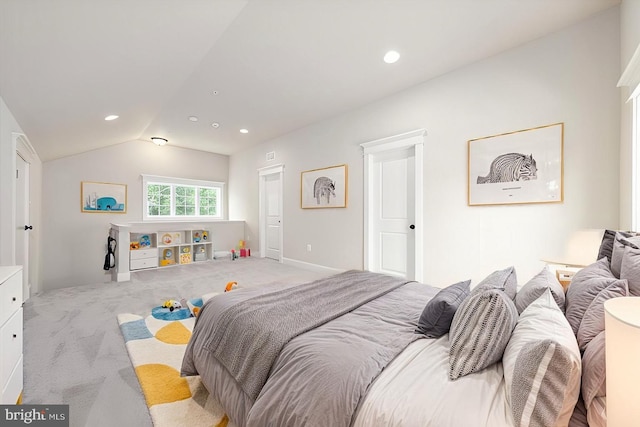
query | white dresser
[11, 334]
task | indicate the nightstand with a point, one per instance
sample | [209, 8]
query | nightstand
[564, 277]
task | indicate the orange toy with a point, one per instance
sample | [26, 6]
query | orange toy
[230, 286]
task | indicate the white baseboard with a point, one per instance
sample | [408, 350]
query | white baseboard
[310, 266]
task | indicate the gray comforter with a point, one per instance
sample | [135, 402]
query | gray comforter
[317, 377]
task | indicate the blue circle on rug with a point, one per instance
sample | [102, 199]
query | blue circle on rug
[164, 313]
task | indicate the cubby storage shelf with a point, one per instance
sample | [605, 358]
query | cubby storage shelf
[159, 245]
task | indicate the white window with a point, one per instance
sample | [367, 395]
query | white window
[165, 198]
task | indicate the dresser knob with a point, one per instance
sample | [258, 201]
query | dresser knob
[14, 299]
[15, 335]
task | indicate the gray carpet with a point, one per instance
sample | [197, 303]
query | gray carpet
[74, 352]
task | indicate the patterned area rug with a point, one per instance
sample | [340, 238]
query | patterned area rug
[156, 348]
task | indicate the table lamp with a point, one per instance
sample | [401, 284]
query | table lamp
[622, 335]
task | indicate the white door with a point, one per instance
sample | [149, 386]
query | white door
[22, 221]
[273, 216]
[393, 213]
[393, 202]
[271, 205]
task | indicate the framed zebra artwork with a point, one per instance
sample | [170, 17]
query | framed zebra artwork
[324, 188]
[524, 166]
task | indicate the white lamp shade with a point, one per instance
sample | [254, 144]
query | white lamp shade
[622, 335]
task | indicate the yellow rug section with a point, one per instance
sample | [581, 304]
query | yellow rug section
[156, 348]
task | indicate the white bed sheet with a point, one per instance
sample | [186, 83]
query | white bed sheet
[415, 390]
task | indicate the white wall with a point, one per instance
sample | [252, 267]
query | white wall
[569, 77]
[74, 243]
[629, 42]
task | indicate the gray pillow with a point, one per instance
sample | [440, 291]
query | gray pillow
[436, 318]
[606, 246]
[593, 320]
[585, 286]
[536, 287]
[505, 280]
[480, 331]
[594, 372]
[630, 269]
[542, 366]
[619, 245]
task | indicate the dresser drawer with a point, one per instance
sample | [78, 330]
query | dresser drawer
[10, 345]
[137, 264]
[10, 296]
[12, 389]
[143, 253]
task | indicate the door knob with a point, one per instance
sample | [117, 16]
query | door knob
[28, 227]
[412, 226]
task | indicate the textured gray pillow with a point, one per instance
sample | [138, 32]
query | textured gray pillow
[594, 372]
[536, 287]
[593, 320]
[505, 280]
[436, 318]
[585, 286]
[619, 245]
[630, 269]
[480, 331]
[542, 366]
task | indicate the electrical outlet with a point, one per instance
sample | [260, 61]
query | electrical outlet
[309, 247]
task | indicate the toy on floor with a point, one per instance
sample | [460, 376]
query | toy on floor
[230, 286]
[171, 304]
[178, 310]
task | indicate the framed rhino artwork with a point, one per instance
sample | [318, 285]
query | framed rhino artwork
[103, 197]
[324, 188]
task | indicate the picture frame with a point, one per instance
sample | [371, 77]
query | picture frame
[324, 188]
[103, 197]
[519, 167]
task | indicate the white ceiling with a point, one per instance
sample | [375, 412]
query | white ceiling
[277, 65]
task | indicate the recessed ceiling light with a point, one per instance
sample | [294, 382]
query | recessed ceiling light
[111, 117]
[244, 131]
[214, 92]
[391, 57]
[159, 141]
[193, 118]
[215, 125]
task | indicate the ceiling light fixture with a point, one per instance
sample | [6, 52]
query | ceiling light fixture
[159, 141]
[111, 117]
[391, 57]
[215, 125]
[193, 118]
[244, 131]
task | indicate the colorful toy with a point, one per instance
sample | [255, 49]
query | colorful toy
[167, 239]
[145, 241]
[205, 235]
[171, 304]
[196, 237]
[134, 246]
[230, 286]
[234, 254]
[186, 249]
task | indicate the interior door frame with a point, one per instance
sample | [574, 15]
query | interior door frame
[262, 208]
[24, 149]
[402, 141]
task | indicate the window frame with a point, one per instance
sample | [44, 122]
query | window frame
[182, 182]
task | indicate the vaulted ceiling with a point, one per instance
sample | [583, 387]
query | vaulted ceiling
[268, 66]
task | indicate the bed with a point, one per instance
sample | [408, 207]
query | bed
[365, 349]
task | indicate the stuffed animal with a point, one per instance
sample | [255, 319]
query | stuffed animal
[171, 304]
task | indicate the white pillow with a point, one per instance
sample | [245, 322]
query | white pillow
[542, 366]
